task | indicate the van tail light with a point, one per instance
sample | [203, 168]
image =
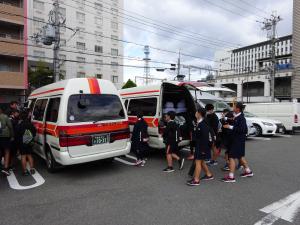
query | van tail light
[295, 118]
[125, 134]
[67, 141]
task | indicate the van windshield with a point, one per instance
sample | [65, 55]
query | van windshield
[94, 108]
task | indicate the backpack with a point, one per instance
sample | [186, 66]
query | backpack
[27, 137]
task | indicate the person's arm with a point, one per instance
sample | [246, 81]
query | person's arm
[240, 127]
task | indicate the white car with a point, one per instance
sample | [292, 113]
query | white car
[264, 126]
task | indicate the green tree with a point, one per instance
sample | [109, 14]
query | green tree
[129, 84]
[41, 76]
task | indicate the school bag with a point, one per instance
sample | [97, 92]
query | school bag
[27, 137]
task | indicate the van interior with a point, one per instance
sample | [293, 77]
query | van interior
[179, 99]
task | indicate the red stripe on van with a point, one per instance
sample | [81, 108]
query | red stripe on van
[50, 91]
[152, 121]
[94, 86]
[139, 93]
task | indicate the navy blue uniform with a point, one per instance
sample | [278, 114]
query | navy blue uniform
[139, 133]
[172, 137]
[201, 138]
[239, 131]
[25, 149]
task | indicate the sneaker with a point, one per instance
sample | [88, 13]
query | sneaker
[213, 163]
[5, 172]
[143, 163]
[26, 173]
[207, 177]
[181, 163]
[228, 180]
[226, 168]
[169, 170]
[32, 171]
[138, 162]
[207, 160]
[193, 183]
[249, 174]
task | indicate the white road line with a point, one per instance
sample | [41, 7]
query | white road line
[124, 161]
[285, 209]
[131, 157]
[260, 138]
[14, 184]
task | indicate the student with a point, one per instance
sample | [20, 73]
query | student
[12, 107]
[226, 134]
[213, 123]
[171, 139]
[202, 150]
[237, 146]
[6, 137]
[25, 136]
[139, 139]
[15, 114]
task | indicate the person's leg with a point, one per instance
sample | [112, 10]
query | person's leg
[231, 167]
[206, 170]
[6, 158]
[197, 170]
[247, 170]
[30, 161]
[24, 163]
[192, 169]
[175, 156]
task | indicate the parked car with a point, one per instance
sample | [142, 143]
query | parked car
[286, 112]
[264, 126]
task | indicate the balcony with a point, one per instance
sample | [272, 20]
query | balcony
[14, 10]
[11, 45]
[15, 80]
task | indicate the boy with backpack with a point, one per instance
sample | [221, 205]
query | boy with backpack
[171, 138]
[201, 135]
[6, 137]
[139, 139]
[26, 134]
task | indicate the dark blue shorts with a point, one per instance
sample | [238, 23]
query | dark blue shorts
[202, 155]
[5, 143]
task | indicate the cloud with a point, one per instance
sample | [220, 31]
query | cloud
[212, 25]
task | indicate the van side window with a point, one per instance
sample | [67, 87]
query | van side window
[147, 106]
[52, 110]
[39, 109]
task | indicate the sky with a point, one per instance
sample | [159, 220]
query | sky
[196, 28]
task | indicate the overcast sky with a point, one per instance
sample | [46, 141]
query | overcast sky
[197, 27]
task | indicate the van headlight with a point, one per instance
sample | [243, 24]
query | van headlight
[268, 124]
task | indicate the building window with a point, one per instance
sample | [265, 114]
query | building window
[115, 79]
[98, 62]
[99, 20]
[80, 17]
[98, 49]
[80, 60]
[81, 3]
[114, 11]
[80, 74]
[63, 42]
[99, 76]
[114, 65]
[114, 25]
[38, 5]
[98, 6]
[80, 45]
[114, 52]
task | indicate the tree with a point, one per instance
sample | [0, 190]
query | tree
[41, 76]
[129, 84]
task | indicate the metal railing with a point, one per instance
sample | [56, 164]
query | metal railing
[15, 4]
[11, 36]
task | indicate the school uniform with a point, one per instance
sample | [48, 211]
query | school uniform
[202, 144]
[239, 131]
[171, 137]
[139, 134]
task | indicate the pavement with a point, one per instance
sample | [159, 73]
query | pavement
[120, 194]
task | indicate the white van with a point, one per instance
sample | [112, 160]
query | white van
[155, 101]
[286, 112]
[79, 120]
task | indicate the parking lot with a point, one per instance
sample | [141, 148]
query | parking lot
[119, 193]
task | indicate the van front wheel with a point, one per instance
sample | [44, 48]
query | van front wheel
[52, 165]
[258, 129]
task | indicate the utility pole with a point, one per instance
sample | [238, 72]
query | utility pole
[178, 65]
[56, 41]
[270, 26]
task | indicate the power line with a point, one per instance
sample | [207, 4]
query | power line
[247, 3]
[239, 7]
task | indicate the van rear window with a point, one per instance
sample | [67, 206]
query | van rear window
[94, 108]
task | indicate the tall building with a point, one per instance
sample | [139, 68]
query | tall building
[246, 70]
[296, 54]
[95, 43]
[13, 61]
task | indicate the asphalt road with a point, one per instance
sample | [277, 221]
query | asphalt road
[119, 194]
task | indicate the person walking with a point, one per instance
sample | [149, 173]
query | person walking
[202, 149]
[25, 136]
[14, 145]
[171, 138]
[6, 137]
[139, 139]
[237, 147]
[213, 123]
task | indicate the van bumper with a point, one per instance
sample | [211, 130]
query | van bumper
[64, 158]
[296, 128]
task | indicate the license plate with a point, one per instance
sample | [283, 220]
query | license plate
[101, 139]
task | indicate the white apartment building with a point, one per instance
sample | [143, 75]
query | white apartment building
[246, 70]
[95, 43]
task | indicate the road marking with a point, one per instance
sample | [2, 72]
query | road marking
[286, 209]
[260, 138]
[14, 184]
[284, 135]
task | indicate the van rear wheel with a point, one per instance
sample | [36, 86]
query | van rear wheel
[52, 165]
